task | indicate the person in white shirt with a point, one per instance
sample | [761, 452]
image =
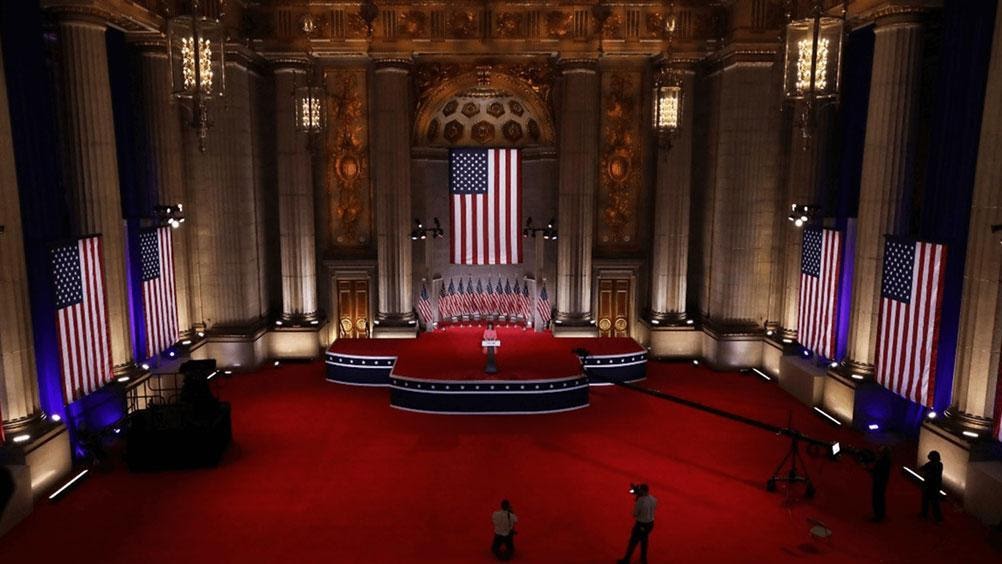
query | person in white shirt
[643, 513]
[504, 531]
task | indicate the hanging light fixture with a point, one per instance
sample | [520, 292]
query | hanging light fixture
[309, 101]
[195, 48]
[667, 95]
[813, 60]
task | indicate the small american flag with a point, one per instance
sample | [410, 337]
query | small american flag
[159, 297]
[499, 302]
[543, 306]
[448, 305]
[525, 302]
[819, 272]
[482, 307]
[910, 303]
[424, 307]
[486, 206]
[81, 317]
[509, 299]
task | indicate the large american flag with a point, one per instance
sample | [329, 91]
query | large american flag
[159, 296]
[486, 206]
[81, 316]
[819, 271]
[910, 302]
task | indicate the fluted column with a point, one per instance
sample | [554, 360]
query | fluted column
[980, 338]
[391, 171]
[742, 206]
[18, 378]
[166, 159]
[578, 155]
[806, 159]
[91, 162]
[295, 200]
[888, 169]
[673, 188]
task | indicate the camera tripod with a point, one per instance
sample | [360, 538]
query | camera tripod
[793, 475]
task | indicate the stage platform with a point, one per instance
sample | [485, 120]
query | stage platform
[443, 371]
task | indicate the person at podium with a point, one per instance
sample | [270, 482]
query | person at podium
[489, 334]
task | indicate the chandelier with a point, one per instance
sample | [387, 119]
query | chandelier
[667, 96]
[813, 60]
[195, 49]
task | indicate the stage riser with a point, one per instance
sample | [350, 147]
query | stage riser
[507, 397]
[359, 371]
[612, 369]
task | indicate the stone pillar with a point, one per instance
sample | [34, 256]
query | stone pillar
[980, 338]
[166, 154]
[578, 155]
[888, 170]
[391, 142]
[18, 378]
[670, 246]
[806, 161]
[295, 201]
[91, 162]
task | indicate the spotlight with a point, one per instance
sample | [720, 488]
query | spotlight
[970, 434]
[807, 353]
[932, 415]
[873, 427]
[227, 372]
[828, 416]
[200, 334]
[144, 366]
[695, 362]
[763, 375]
[787, 341]
[277, 363]
[770, 333]
[833, 364]
[171, 354]
[56, 417]
[857, 377]
[186, 342]
[278, 322]
[315, 322]
[655, 322]
[122, 379]
[21, 438]
[67, 485]
[689, 322]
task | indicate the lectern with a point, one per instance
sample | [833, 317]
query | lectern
[489, 345]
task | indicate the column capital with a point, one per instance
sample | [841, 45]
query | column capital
[79, 15]
[290, 62]
[578, 64]
[896, 14]
[963, 421]
[148, 43]
[397, 63]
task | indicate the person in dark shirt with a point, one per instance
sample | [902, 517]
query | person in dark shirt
[932, 473]
[880, 472]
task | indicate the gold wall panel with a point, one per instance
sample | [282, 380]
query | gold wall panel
[621, 171]
[347, 178]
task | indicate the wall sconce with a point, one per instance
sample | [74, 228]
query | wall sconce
[196, 52]
[813, 60]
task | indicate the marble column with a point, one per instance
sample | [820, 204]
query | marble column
[743, 203]
[673, 189]
[391, 175]
[91, 162]
[888, 170]
[803, 186]
[295, 200]
[18, 378]
[166, 158]
[980, 339]
[578, 155]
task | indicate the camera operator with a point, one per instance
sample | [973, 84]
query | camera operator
[643, 512]
[932, 473]
[504, 531]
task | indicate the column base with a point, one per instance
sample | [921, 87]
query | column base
[675, 342]
[732, 348]
[959, 453]
[802, 379]
[295, 343]
[46, 453]
[839, 396]
[235, 347]
[574, 325]
[395, 326]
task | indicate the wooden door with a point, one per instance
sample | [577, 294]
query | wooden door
[614, 297]
[353, 309]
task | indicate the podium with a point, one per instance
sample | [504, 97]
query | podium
[491, 367]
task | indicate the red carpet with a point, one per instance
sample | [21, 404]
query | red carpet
[328, 473]
[524, 355]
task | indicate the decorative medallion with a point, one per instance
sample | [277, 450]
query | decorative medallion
[495, 109]
[450, 107]
[512, 131]
[453, 131]
[605, 324]
[516, 107]
[483, 132]
[470, 109]
[347, 177]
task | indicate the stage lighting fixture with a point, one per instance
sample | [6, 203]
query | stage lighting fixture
[144, 366]
[770, 333]
[873, 427]
[211, 376]
[807, 353]
[762, 374]
[836, 449]
[858, 377]
[827, 416]
[21, 438]
[122, 379]
[833, 364]
[695, 362]
[315, 322]
[227, 372]
[171, 354]
[186, 342]
[200, 334]
[278, 322]
[67, 485]
[56, 417]
[655, 322]
[788, 341]
[932, 415]
[970, 434]
[277, 363]
[919, 477]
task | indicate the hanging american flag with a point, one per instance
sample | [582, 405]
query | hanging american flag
[819, 271]
[486, 206]
[81, 317]
[997, 431]
[424, 308]
[543, 306]
[159, 297]
[910, 302]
